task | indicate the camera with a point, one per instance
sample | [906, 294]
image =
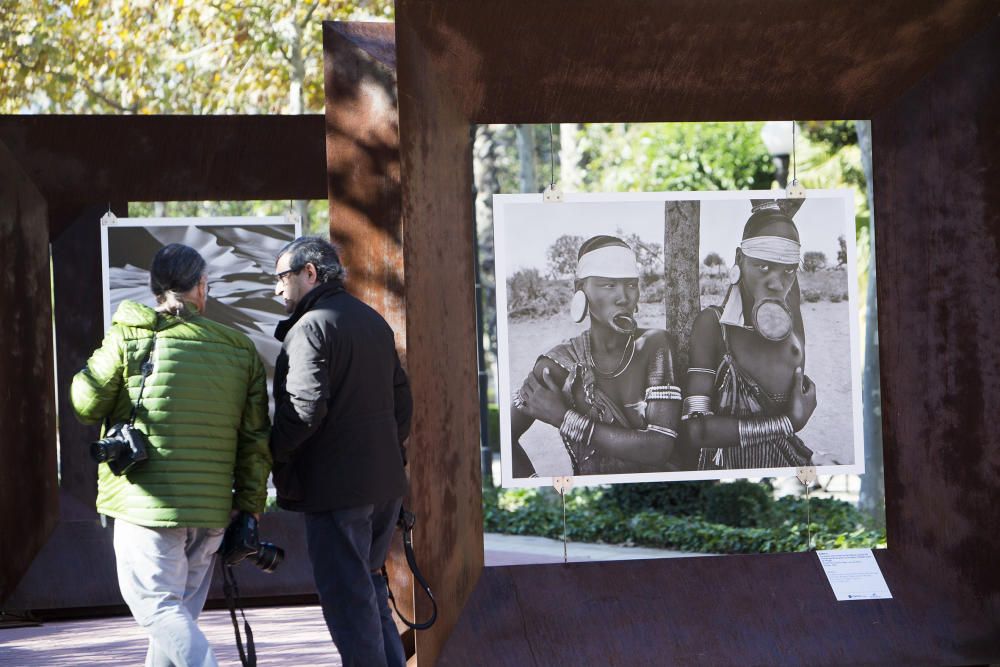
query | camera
[123, 447]
[242, 540]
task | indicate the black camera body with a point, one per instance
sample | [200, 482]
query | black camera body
[242, 541]
[123, 447]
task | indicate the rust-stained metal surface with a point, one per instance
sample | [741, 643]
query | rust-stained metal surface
[528, 61]
[28, 490]
[79, 322]
[937, 168]
[362, 161]
[80, 160]
[82, 165]
[541, 61]
[438, 232]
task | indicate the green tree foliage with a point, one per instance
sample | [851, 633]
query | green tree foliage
[167, 56]
[675, 156]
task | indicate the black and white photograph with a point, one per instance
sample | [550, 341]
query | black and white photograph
[240, 253]
[614, 367]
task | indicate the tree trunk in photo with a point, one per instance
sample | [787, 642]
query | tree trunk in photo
[871, 500]
[680, 274]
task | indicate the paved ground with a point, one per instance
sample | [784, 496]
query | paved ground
[285, 636]
[297, 636]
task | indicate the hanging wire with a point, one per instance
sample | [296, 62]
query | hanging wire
[552, 160]
[808, 520]
[795, 162]
[565, 552]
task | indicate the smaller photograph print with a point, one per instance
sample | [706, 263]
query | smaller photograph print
[677, 336]
[240, 254]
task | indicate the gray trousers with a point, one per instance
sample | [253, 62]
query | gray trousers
[164, 575]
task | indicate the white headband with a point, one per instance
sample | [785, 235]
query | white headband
[613, 261]
[772, 249]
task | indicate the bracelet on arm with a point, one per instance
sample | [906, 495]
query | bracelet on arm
[696, 406]
[662, 430]
[666, 392]
[759, 431]
[706, 371]
[576, 431]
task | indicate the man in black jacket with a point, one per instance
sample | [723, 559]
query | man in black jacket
[342, 411]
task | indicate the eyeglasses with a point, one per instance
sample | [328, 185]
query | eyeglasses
[281, 275]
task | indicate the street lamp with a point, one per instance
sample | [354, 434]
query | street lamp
[777, 138]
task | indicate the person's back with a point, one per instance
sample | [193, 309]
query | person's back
[353, 456]
[202, 421]
[205, 386]
[342, 411]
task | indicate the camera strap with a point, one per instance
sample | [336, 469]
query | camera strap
[147, 369]
[405, 523]
[231, 590]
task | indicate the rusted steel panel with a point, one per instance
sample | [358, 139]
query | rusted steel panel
[937, 210]
[28, 483]
[689, 60]
[79, 318]
[79, 160]
[362, 161]
[438, 233]
[773, 609]
[524, 61]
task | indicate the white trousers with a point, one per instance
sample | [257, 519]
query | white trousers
[164, 575]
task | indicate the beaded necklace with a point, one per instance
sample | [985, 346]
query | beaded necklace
[623, 363]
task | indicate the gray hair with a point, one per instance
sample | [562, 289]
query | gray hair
[316, 251]
[175, 271]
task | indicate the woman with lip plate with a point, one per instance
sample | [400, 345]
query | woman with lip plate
[610, 390]
[747, 395]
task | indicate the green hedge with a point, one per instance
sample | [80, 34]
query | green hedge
[610, 515]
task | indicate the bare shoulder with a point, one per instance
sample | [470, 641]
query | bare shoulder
[706, 332]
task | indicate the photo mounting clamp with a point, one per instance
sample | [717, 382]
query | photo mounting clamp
[795, 190]
[108, 219]
[552, 194]
[562, 485]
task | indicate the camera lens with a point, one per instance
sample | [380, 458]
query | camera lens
[269, 557]
[105, 450]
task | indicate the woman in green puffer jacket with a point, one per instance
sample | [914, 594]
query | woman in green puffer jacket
[204, 411]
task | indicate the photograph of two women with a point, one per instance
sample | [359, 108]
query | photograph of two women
[677, 336]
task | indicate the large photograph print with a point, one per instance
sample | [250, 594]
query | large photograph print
[677, 336]
[240, 254]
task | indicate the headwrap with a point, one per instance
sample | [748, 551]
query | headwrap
[776, 249]
[610, 261]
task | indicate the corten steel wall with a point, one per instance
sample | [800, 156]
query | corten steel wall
[82, 165]
[362, 161]
[683, 60]
[27, 407]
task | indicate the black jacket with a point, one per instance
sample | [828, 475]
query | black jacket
[342, 406]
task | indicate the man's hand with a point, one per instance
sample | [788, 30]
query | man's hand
[544, 400]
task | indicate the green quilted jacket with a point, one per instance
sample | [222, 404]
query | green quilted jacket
[204, 409]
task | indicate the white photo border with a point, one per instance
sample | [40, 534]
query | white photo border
[504, 381]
